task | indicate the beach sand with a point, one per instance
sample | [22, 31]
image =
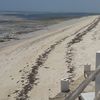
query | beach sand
[31, 68]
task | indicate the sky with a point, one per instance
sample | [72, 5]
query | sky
[51, 5]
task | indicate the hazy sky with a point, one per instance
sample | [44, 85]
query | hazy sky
[51, 5]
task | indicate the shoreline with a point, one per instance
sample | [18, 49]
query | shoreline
[36, 34]
[33, 67]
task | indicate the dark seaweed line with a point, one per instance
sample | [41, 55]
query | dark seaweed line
[77, 39]
[31, 78]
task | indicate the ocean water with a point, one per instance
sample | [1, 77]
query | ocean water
[43, 15]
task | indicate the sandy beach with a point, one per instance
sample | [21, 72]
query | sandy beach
[31, 68]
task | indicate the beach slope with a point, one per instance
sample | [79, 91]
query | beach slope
[31, 69]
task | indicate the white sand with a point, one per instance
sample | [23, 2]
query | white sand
[23, 55]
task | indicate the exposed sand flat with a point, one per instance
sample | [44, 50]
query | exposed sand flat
[33, 67]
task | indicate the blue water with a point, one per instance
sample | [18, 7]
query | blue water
[41, 15]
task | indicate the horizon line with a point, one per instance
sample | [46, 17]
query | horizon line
[46, 11]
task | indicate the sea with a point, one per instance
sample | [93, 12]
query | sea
[44, 15]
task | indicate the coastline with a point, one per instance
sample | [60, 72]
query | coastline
[33, 67]
[36, 34]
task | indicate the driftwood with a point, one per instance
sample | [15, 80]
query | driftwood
[82, 86]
